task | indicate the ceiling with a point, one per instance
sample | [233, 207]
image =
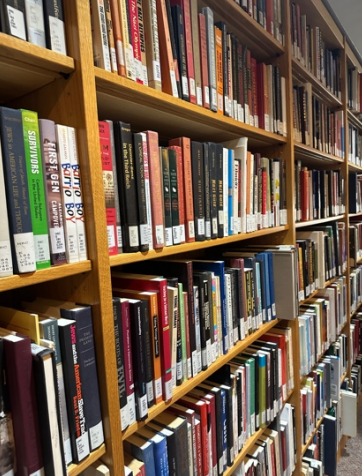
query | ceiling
[349, 13]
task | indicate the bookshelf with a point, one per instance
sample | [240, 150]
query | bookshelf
[70, 90]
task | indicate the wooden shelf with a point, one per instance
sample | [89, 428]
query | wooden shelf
[239, 458]
[75, 469]
[26, 67]
[44, 275]
[314, 293]
[144, 108]
[302, 224]
[352, 215]
[193, 382]
[310, 439]
[310, 155]
[351, 116]
[354, 167]
[303, 75]
[356, 311]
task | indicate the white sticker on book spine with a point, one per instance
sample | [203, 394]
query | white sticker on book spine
[57, 35]
[189, 368]
[160, 239]
[144, 232]
[110, 236]
[199, 96]
[168, 236]
[185, 86]
[96, 436]
[156, 68]
[149, 391]
[39, 472]
[176, 233]
[133, 236]
[191, 229]
[179, 370]
[213, 97]
[124, 417]
[6, 265]
[221, 217]
[214, 226]
[131, 408]
[119, 237]
[57, 240]
[120, 55]
[192, 87]
[208, 229]
[82, 444]
[158, 388]
[35, 23]
[174, 84]
[16, 22]
[194, 364]
[207, 96]
[113, 59]
[168, 390]
[201, 226]
[25, 252]
[68, 451]
[182, 233]
[142, 406]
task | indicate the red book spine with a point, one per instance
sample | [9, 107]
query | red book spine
[108, 186]
[272, 451]
[255, 87]
[284, 449]
[198, 449]
[249, 86]
[264, 191]
[185, 144]
[135, 35]
[270, 16]
[181, 191]
[128, 367]
[211, 399]
[260, 92]
[156, 190]
[204, 62]
[280, 340]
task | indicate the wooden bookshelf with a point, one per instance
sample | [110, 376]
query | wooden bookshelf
[310, 439]
[314, 156]
[354, 168]
[353, 119]
[75, 469]
[303, 224]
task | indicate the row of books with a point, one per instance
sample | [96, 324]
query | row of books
[170, 47]
[49, 396]
[162, 196]
[207, 428]
[39, 22]
[355, 243]
[268, 14]
[354, 145]
[354, 85]
[274, 452]
[356, 343]
[42, 211]
[355, 192]
[355, 278]
[309, 48]
[320, 323]
[321, 256]
[315, 124]
[318, 193]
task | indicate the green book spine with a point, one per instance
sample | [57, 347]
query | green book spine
[183, 331]
[38, 204]
[262, 390]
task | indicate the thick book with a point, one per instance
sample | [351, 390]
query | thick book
[16, 184]
[142, 450]
[135, 38]
[127, 186]
[179, 32]
[46, 389]
[13, 21]
[141, 192]
[55, 26]
[52, 178]
[6, 261]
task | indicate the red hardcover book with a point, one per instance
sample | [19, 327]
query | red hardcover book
[200, 408]
[108, 186]
[135, 36]
[159, 285]
[270, 16]
[249, 86]
[272, 451]
[117, 31]
[260, 92]
[158, 228]
[255, 87]
[19, 372]
[198, 447]
[264, 194]
[181, 191]
[280, 340]
[204, 62]
[283, 447]
[185, 144]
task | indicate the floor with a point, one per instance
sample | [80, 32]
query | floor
[350, 463]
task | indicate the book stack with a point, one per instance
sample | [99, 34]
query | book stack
[355, 280]
[322, 256]
[169, 46]
[313, 53]
[163, 196]
[354, 145]
[315, 124]
[354, 86]
[49, 386]
[318, 193]
[210, 425]
[40, 22]
[42, 211]
[355, 243]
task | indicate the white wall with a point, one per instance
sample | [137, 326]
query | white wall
[349, 13]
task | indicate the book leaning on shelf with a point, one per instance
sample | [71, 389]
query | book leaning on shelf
[167, 45]
[163, 196]
[42, 209]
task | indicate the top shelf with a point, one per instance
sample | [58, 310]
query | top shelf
[26, 67]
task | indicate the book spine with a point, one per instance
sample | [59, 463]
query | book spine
[127, 45]
[204, 61]
[199, 189]
[180, 192]
[188, 338]
[176, 232]
[110, 33]
[108, 186]
[52, 176]
[101, 52]
[135, 39]
[220, 188]
[54, 26]
[141, 26]
[78, 194]
[6, 262]
[196, 50]
[164, 158]
[219, 70]
[13, 19]
[209, 17]
[179, 30]
[153, 48]
[127, 344]
[146, 169]
[35, 22]
[141, 192]
[36, 188]
[118, 38]
[189, 50]
[16, 185]
[213, 189]
[154, 328]
[158, 226]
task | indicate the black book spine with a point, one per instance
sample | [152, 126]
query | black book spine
[198, 180]
[173, 44]
[179, 30]
[330, 192]
[55, 36]
[234, 72]
[201, 283]
[145, 323]
[224, 43]
[88, 372]
[230, 429]
[165, 166]
[73, 391]
[234, 303]
[16, 186]
[213, 189]
[239, 297]
[219, 428]
[219, 190]
[181, 449]
[13, 19]
[120, 359]
[176, 232]
[141, 192]
[6, 423]
[138, 358]
[127, 186]
[207, 195]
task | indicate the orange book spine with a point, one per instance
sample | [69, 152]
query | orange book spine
[219, 71]
[180, 190]
[185, 144]
[117, 32]
[158, 229]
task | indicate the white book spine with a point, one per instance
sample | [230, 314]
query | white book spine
[225, 191]
[235, 198]
[35, 22]
[77, 192]
[100, 36]
[147, 189]
[70, 226]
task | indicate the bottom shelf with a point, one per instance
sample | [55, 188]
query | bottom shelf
[75, 469]
[310, 439]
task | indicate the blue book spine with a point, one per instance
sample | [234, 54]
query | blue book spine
[264, 258]
[230, 191]
[160, 455]
[224, 427]
[260, 301]
[146, 455]
[271, 287]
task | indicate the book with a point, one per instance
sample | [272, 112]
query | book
[139, 168]
[35, 22]
[6, 261]
[55, 26]
[153, 59]
[13, 21]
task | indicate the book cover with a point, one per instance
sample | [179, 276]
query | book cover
[153, 60]
[13, 20]
[166, 192]
[141, 192]
[6, 261]
[101, 51]
[55, 26]
[198, 182]
[35, 22]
